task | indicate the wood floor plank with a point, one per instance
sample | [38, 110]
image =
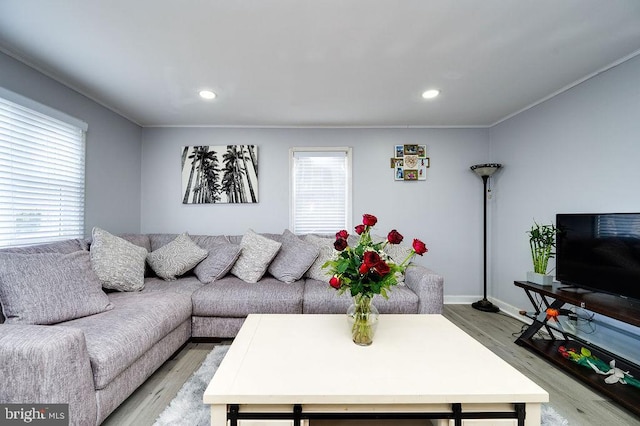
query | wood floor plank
[575, 401]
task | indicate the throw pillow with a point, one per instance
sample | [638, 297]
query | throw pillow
[397, 252]
[294, 258]
[326, 252]
[257, 252]
[221, 259]
[118, 263]
[176, 258]
[48, 288]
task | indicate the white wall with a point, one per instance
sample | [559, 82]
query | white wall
[112, 199]
[445, 211]
[577, 152]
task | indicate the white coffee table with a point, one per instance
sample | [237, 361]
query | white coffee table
[306, 367]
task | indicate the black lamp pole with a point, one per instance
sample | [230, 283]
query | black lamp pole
[485, 171]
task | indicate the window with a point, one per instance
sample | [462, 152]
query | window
[42, 157]
[320, 190]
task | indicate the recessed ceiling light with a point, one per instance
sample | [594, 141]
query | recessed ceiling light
[207, 94]
[430, 94]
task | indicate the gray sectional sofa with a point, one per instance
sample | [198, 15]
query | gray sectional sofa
[64, 353]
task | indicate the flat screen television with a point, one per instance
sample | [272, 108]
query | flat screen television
[599, 252]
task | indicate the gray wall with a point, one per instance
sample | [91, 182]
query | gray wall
[444, 211]
[577, 152]
[113, 153]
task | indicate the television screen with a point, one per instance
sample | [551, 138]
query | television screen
[599, 252]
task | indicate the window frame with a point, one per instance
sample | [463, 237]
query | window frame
[31, 110]
[348, 178]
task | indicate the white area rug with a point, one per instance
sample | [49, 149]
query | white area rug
[187, 408]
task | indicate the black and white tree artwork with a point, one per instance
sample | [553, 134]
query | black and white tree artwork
[219, 174]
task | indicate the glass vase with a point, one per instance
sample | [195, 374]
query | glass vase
[363, 318]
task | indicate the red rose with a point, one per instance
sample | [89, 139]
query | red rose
[359, 229]
[369, 220]
[342, 234]
[419, 247]
[364, 268]
[394, 237]
[382, 268]
[335, 282]
[340, 244]
[370, 258]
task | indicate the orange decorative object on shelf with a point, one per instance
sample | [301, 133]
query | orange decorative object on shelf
[552, 314]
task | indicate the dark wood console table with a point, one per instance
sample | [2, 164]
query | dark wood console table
[562, 332]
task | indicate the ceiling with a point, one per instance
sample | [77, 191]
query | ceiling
[320, 63]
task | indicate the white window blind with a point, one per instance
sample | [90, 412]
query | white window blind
[320, 190]
[42, 168]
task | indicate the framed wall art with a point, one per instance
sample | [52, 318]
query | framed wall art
[410, 162]
[219, 174]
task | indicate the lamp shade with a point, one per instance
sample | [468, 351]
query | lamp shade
[485, 169]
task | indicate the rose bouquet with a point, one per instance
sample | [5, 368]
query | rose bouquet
[366, 270]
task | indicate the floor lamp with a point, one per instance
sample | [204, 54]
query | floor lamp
[485, 171]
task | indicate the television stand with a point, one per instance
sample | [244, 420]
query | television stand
[606, 341]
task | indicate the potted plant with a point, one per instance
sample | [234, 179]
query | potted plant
[366, 270]
[542, 240]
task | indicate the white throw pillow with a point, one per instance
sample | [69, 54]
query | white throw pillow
[325, 247]
[118, 263]
[176, 258]
[255, 257]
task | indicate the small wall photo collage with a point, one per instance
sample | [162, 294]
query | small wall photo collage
[410, 162]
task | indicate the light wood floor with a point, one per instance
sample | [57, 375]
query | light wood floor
[576, 402]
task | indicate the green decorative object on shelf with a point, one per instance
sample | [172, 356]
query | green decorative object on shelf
[586, 359]
[542, 240]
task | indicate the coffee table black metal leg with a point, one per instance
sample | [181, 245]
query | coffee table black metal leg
[232, 416]
[457, 414]
[521, 411]
[297, 414]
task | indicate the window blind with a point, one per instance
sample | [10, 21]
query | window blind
[320, 191]
[617, 225]
[42, 176]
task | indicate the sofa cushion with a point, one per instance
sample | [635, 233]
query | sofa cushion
[233, 297]
[141, 240]
[64, 246]
[326, 251]
[176, 258]
[119, 264]
[184, 285]
[294, 258]
[257, 252]
[159, 240]
[117, 338]
[320, 298]
[47, 288]
[222, 257]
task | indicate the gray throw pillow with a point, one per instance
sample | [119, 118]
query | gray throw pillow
[326, 251]
[118, 263]
[257, 252]
[398, 253]
[176, 258]
[48, 288]
[221, 259]
[294, 258]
